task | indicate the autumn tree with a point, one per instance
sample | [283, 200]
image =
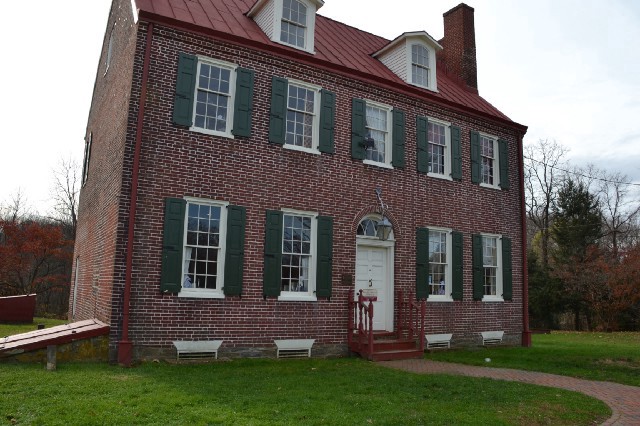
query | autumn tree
[34, 257]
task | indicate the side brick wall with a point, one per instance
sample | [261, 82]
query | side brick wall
[98, 222]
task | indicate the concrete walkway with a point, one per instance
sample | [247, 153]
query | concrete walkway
[623, 400]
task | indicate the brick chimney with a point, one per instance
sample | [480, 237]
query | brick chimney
[459, 43]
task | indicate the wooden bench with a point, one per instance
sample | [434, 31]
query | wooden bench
[492, 337]
[435, 341]
[205, 349]
[294, 348]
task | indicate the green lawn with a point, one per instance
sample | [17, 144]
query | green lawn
[271, 392]
[611, 357]
[9, 329]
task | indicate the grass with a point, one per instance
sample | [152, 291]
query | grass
[613, 357]
[10, 329]
[271, 392]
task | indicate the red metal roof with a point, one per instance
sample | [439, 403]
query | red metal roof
[336, 43]
[58, 335]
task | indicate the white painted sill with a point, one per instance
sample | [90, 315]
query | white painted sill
[439, 176]
[201, 294]
[484, 185]
[301, 149]
[375, 163]
[297, 298]
[492, 299]
[439, 300]
[211, 132]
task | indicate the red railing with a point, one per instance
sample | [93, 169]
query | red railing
[411, 318]
[360, 324]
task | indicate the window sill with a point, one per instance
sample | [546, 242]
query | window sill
[297, 298]
[439, 176]
[377, 164]
[211, 132]
[301, 149]
[492, 299]
[486, 185]
[439, 299]
[201, 294]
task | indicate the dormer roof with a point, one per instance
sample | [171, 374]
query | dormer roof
[421, 35]
[259, 4]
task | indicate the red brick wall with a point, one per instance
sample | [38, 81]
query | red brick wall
[98, 221]
[260, 176]
[255, 174]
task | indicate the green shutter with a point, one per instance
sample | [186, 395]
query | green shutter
[325, 256]
[456, 265]
[478, 269]
[358, 128]
[397, 156]
[504, 163]
[185, 88]
[422, 263]
[507, 272]
[327, 121]
[234, 257]
[475, 157]
[456, 154]
[422, 128]
[172, 245]
[243, 106]
[278, 115]
[272, 254]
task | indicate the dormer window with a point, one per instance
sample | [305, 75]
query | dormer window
[288, 22]
[412, 58]
[419, 65]
[294, 23]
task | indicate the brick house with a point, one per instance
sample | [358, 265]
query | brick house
[243, 157]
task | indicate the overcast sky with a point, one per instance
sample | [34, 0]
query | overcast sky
[568, 69]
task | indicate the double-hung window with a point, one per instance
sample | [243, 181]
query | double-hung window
[213, 112]
[439, 264]
[420, 65]
[213, 97]
[492, 273]
[87, 158]
[378, 132]
[439, 140]
[489, 160]
[293, 28]
[202, 248]
[302, 116]
[298, 257]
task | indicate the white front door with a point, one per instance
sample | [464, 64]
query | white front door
[372, 276]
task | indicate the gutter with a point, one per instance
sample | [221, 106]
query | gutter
[125, 346]
[526, 333]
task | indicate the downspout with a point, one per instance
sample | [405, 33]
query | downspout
[526, 333]
[125, 345]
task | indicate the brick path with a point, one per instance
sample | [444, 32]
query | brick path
[623, 400]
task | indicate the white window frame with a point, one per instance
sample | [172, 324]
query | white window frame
[496, 161]
[448, 290]
[109, 51]
[310, 295]
[315, 138]
[433, 81]
[447, 149]
[230, 104]
[309, 27]
[388, 151]
[205, 293]
[498, 297]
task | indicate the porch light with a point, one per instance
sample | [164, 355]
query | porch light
[383, 226]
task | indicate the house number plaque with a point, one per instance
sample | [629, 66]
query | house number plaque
[370, 294]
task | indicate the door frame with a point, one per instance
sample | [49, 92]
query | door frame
[389, 246]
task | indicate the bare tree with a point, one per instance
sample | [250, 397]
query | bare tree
[620, 211]
[16, 208]
[542, 181]
[65, 194]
